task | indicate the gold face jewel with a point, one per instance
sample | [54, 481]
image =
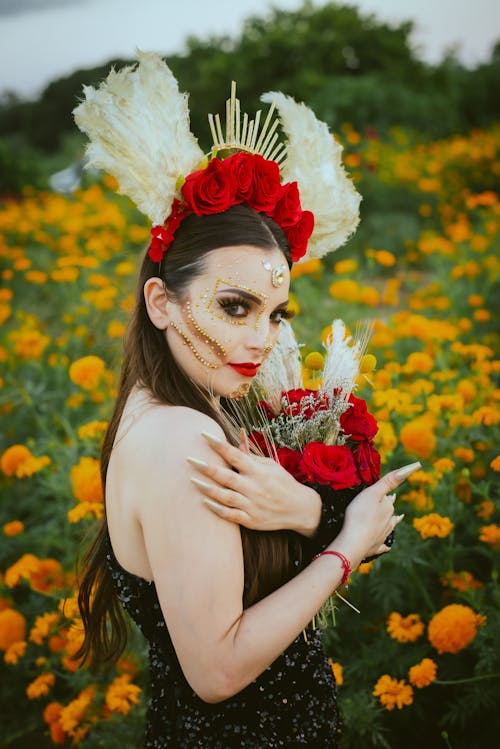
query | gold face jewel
[242, 391]
[189, 343]
[277, 273]
[238, 287]
[214, 345]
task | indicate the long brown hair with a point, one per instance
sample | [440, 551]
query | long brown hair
[149, 362]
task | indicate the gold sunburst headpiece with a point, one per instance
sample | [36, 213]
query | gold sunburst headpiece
[244, 135]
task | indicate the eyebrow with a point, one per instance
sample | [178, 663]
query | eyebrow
[252, 297]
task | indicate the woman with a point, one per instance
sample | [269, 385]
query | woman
[208, 547]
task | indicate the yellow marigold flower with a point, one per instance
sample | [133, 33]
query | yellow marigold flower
[15, 651]
[338, 672]
[86, 480]
[314, 361]
[127, 303]
[29, 343]
[6, 295]
[345, 290]
[40, 686]
[365, 568]
[42, 626]
[369, 296]
[92, 429]
[418, 438]
[490, 534]
[495, 463]
[419, 361]
[121, 694]
[125, 268]
[13, 528]
[84, 510]
[433, 525]
[12, 458]
[116, 329]
[385, 258]
[467, 390]
[487, 415]
[482, 315]
[32, 465]
[307, 268]
[464, 453]
[62, 275]
[345, 266]
[74, 713]
[5, 312]
[422, 674]
[23, 568]
[12, 628]
[293, 304]
[453, 628]
[404, 628]
[393, 693]
[36, 276]
[87, 372]
[444, 465]
[69, 606]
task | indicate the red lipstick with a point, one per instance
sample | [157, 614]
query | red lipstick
[247, 369]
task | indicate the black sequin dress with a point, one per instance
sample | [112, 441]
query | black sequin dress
[291, 704]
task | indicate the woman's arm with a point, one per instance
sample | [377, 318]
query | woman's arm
[197, 563]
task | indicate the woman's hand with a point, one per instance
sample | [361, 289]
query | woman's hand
[370, 517]
[260, 494]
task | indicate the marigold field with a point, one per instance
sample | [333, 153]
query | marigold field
[420, 665]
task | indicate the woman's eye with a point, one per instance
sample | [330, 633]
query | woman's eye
[281, 314]
[234, 308]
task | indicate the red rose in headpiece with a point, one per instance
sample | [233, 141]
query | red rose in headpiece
[288, 210]
[210, 190]
[267, 188]
[298, 235]
[330, 464]
[241, 167]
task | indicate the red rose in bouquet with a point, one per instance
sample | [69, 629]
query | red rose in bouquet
[332, 465]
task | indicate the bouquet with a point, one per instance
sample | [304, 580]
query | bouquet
[322, 435]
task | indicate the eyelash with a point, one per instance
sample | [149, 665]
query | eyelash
[234, 302]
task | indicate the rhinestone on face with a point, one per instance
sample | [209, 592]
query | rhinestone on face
[277, 273]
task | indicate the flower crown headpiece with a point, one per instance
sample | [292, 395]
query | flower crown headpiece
[138, 125]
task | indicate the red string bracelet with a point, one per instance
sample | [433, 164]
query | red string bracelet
[346, 566]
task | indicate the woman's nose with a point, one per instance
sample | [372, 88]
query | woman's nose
[258, 338]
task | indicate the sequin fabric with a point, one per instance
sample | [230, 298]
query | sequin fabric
[291, 704]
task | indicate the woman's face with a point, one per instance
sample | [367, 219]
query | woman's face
[229, 320]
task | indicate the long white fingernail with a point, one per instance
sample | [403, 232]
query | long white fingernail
[212, 438]
[399, 517]
[196, 462]
[200, 483]
[405, 471]
[215, 506]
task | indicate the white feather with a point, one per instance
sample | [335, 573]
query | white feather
[343, 355]
[138, 126]
[282, 370]
[314, 161]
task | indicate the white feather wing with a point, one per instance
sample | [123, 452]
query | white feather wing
[138, 126]
[314, 161]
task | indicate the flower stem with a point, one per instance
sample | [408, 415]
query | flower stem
[466, 681]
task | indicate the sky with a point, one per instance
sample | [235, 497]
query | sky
[41, 40]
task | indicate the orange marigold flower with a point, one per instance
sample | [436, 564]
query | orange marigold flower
[393, 693]
[444, 465]
[12, 458]
[338, 672]
[76, 711]
[13, 528]
[419, 361]
[47, 575]
[121, 694]
[43, 625]
[92, 429]
[461, 581]
[87, 372]
[52, 712]
[345, 290]
[365, 568]
[29, 343]
[485, 509]
[418, 438]
[23, 568]
[490, 534]
[40, 686]
[86, 480]
[12, 628]
[15, 651]
[348, 265]
[495, 463]
[422, 674]
[404, 628]
[453, 628]
[464, 453]
[433, 525]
